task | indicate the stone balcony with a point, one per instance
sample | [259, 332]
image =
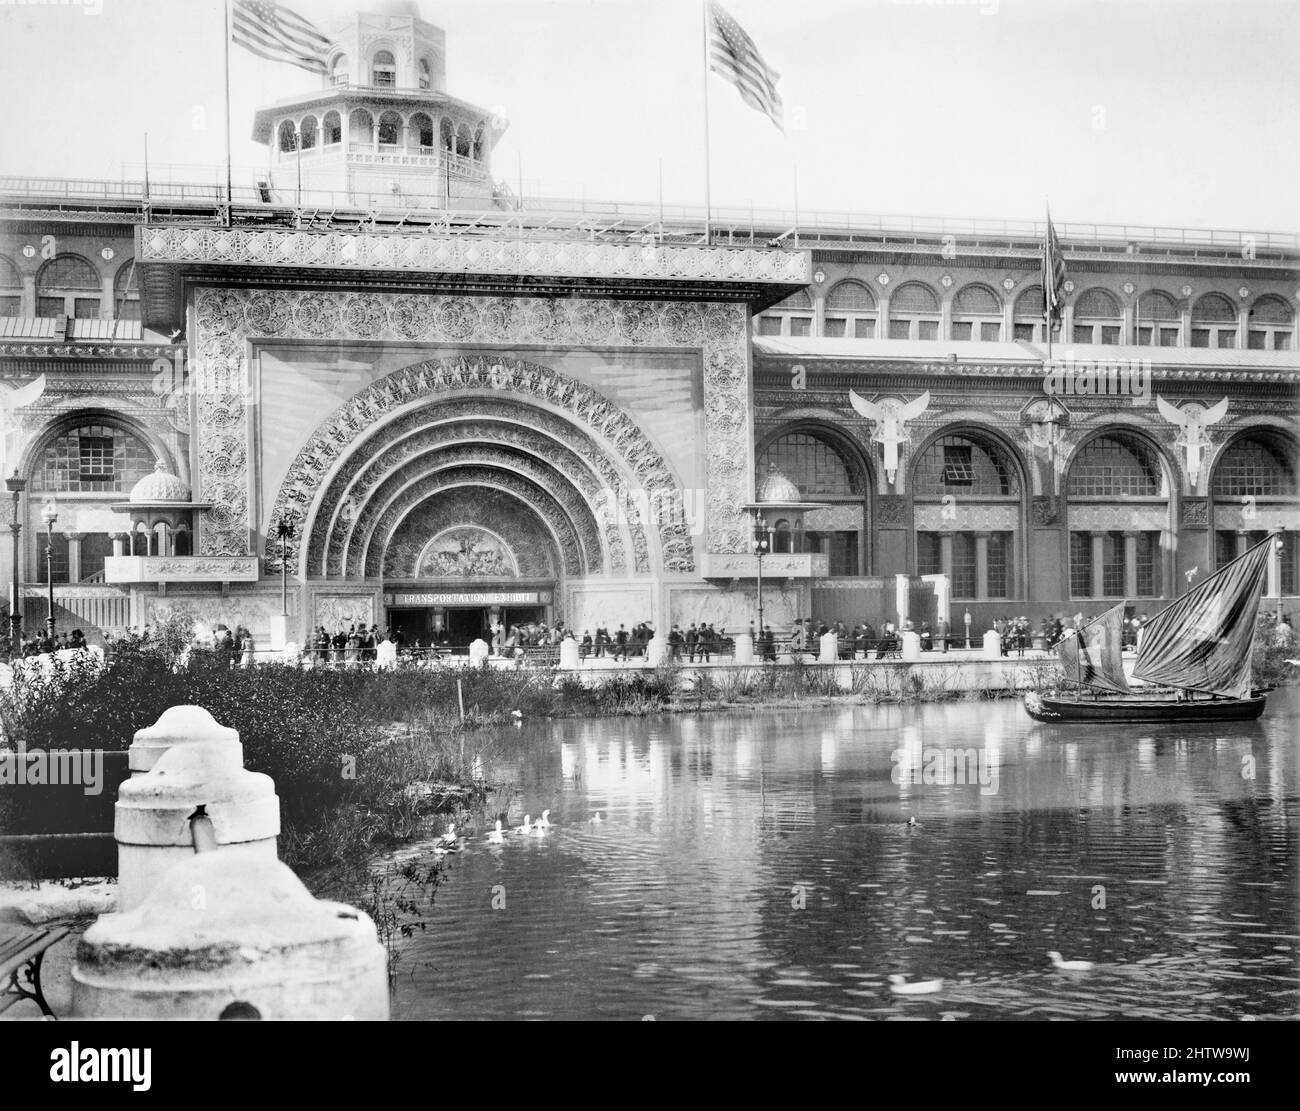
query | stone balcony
[779, 565]
[180, 569]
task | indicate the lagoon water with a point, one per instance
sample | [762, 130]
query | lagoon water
[761, 865]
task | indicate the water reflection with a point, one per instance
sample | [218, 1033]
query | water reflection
[756, 865]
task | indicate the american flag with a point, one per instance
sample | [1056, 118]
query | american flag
[732, 54]
[1053, 274]
[272, 31]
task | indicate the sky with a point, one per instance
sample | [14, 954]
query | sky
[1167, 112]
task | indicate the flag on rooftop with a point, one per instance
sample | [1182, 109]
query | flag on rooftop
[272, 31]
[1053, 274]
[732, 54]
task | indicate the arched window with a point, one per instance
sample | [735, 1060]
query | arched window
[383, 70]
[965, 466]
[68, 286]
[422, 130]
[309, 133]
[1158, 320]
[1272, 325]
[339, 70]
[333, 129]
[390, 129]
[792, 317]
[361, 128]
[977, 314]
[425, 74]
[92, 458]
[464, 140]
[822, 473]
[1097, 317]
[1254, 466]
[126, 292]
[11, 288]
[1116, 466]
[850, 311]
[1214, 322]
[1027, 316]
[478, 144]
[913, 312]
[811, 464]
[1116, 558]
[288, 137]
[446, 134]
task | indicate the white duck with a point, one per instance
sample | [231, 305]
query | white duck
[527, 827]
[1070, 966]
[899, 986]
[544, 822]
[597, 819]
[449, 838]
[495, 837]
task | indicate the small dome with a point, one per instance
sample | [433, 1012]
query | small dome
[778, 489]
[159, 487]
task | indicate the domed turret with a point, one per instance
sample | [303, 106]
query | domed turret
[159, 488]
[777, 488]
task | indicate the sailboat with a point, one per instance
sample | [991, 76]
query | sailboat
[1196, 653]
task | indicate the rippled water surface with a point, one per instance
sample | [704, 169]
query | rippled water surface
[760, 865]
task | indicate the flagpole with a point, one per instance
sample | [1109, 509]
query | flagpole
[1049, 289]
[708, 185]
[230, 200]
[796, 207]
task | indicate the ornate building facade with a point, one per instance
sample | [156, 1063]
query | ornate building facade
[372, 386]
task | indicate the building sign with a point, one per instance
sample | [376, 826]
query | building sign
[464, 598]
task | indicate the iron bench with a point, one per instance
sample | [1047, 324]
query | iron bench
[20, 966]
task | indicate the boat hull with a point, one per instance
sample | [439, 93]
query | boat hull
[1061, 711]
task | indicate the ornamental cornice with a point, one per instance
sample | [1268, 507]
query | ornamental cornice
[853, 369]
[429, 253]
[88, 351]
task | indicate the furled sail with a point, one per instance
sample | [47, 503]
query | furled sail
[1092, 655]
[1205, 639]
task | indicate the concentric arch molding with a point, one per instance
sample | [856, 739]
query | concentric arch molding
[376, 251]
[226, 319]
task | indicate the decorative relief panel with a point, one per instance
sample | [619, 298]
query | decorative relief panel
[964, 517]
[1255, 517]
[839, 518]
[1194, 513]
[389, 251]
[891, 511]
[467, 553]
[490, 512]
[1119, 518]
[341, 611]
[733, 611]
[1045, 510]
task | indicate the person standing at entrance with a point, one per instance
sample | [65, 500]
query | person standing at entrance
[620, 644]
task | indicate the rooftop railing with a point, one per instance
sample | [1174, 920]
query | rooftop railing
[607, 217]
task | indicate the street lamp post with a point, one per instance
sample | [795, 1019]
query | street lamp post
[16, 484]
[1279, 547]
[51, 515]
[760, 550]
[285, 532]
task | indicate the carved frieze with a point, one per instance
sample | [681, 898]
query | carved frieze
[891, 511]
[1194, 513]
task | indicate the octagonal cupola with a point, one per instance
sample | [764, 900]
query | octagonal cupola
[382, 131]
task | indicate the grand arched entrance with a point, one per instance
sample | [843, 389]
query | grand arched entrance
[470, 490]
